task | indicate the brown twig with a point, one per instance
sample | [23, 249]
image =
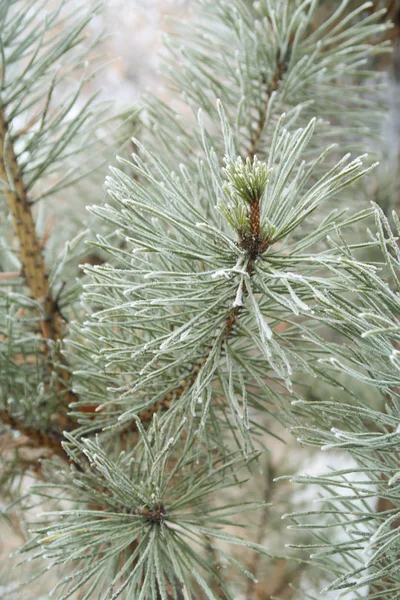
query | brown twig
[39, 439]
[272, 87]
[283, 586]
[33, 265]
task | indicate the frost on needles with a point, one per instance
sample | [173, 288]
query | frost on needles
[231, 281]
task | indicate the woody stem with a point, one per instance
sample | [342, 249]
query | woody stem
[34, 270]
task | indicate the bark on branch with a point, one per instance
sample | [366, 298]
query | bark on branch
[39, 439]
[35, 274]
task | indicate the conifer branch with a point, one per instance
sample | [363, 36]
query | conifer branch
[33, 265]
[40, 439]
[176, 393]
[273, 86]
[41, 46]
[252, 243]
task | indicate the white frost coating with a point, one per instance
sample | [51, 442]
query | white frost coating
[222, 273]
[185, 334]
[239, 296]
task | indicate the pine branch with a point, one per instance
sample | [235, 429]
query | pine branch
[281, 67]
[147, 531]
[256, 94]
[42, 50]
[33, 266]
[190, 380]
[40, 439]
[254, 244]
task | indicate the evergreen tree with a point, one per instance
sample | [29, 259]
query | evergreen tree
[236, 292]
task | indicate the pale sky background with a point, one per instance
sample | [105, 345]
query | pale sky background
[136, 28]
